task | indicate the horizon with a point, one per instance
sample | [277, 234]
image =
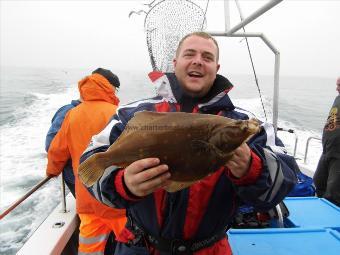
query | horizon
[57, 68]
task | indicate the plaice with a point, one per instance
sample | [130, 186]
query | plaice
[192, 145]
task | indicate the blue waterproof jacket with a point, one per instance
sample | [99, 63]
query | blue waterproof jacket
[208, 206]
[56, 123]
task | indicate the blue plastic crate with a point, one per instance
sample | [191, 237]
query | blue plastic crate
[313, 212]
[284, 241]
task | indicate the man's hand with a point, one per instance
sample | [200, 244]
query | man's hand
[144, 176]
[240, 162]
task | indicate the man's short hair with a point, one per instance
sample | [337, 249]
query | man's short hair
[199, 34]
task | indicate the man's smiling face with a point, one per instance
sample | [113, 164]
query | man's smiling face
[196, 65]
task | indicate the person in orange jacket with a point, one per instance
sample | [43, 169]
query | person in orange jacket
[98, 105]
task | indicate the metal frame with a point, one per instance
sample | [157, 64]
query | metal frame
[63, 195]
[307, 146]
[291, 131]
[250, 18]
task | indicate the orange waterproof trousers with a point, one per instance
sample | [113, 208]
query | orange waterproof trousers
[94, 232]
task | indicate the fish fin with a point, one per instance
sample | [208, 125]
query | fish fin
[91, 170]
[144, 116]
[146, 113]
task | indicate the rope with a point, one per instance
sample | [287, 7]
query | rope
[252, 63]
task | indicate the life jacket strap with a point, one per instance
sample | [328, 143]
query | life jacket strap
[177, 246]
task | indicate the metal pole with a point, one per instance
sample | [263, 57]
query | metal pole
[280, 216]
[276, 70]
[276, 91]
[248, 34]
[63, 194]
[295, 135]
[41, 183]
[253, 16]
[295, 146]
[307, 145]
[226, 15]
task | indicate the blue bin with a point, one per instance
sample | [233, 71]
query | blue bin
[284, 241]
[313, 212]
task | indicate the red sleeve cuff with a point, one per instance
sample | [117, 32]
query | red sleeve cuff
[253, 173]
[122, 189]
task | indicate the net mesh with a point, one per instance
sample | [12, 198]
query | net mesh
[165, 25]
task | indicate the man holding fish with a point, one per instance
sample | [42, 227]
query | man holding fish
[192, 220]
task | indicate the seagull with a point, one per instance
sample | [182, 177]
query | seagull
[138, 12]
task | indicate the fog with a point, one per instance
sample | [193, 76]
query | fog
[88, 34]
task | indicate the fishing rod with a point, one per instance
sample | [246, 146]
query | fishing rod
[41, 183]
[205, 14]
[251, 60]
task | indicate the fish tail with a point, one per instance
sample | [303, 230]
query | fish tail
[92, 169]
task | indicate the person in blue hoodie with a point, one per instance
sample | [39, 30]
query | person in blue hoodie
[56, 123]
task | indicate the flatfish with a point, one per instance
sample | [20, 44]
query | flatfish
[193, 145]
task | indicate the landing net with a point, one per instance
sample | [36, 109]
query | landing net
[165, 25]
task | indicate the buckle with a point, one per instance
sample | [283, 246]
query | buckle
[180, 247]
[136, 241]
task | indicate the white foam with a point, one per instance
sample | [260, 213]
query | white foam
[314, 149]
[23, 162]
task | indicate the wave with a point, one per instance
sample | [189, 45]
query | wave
[287, 122]
[23, 162]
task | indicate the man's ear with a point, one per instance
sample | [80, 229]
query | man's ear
[217, 68]
[174, 61]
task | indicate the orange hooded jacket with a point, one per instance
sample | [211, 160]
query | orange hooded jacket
[99, 104]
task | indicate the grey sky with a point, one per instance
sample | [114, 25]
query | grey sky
[99, 33]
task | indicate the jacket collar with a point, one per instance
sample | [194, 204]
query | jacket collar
[217, 98]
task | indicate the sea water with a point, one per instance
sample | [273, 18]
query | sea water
[29, 98]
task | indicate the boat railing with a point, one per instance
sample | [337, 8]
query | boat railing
[59, 227]
[34, 189]
[63, 194]
[307, 146]
[291, 131]
[309, 139]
